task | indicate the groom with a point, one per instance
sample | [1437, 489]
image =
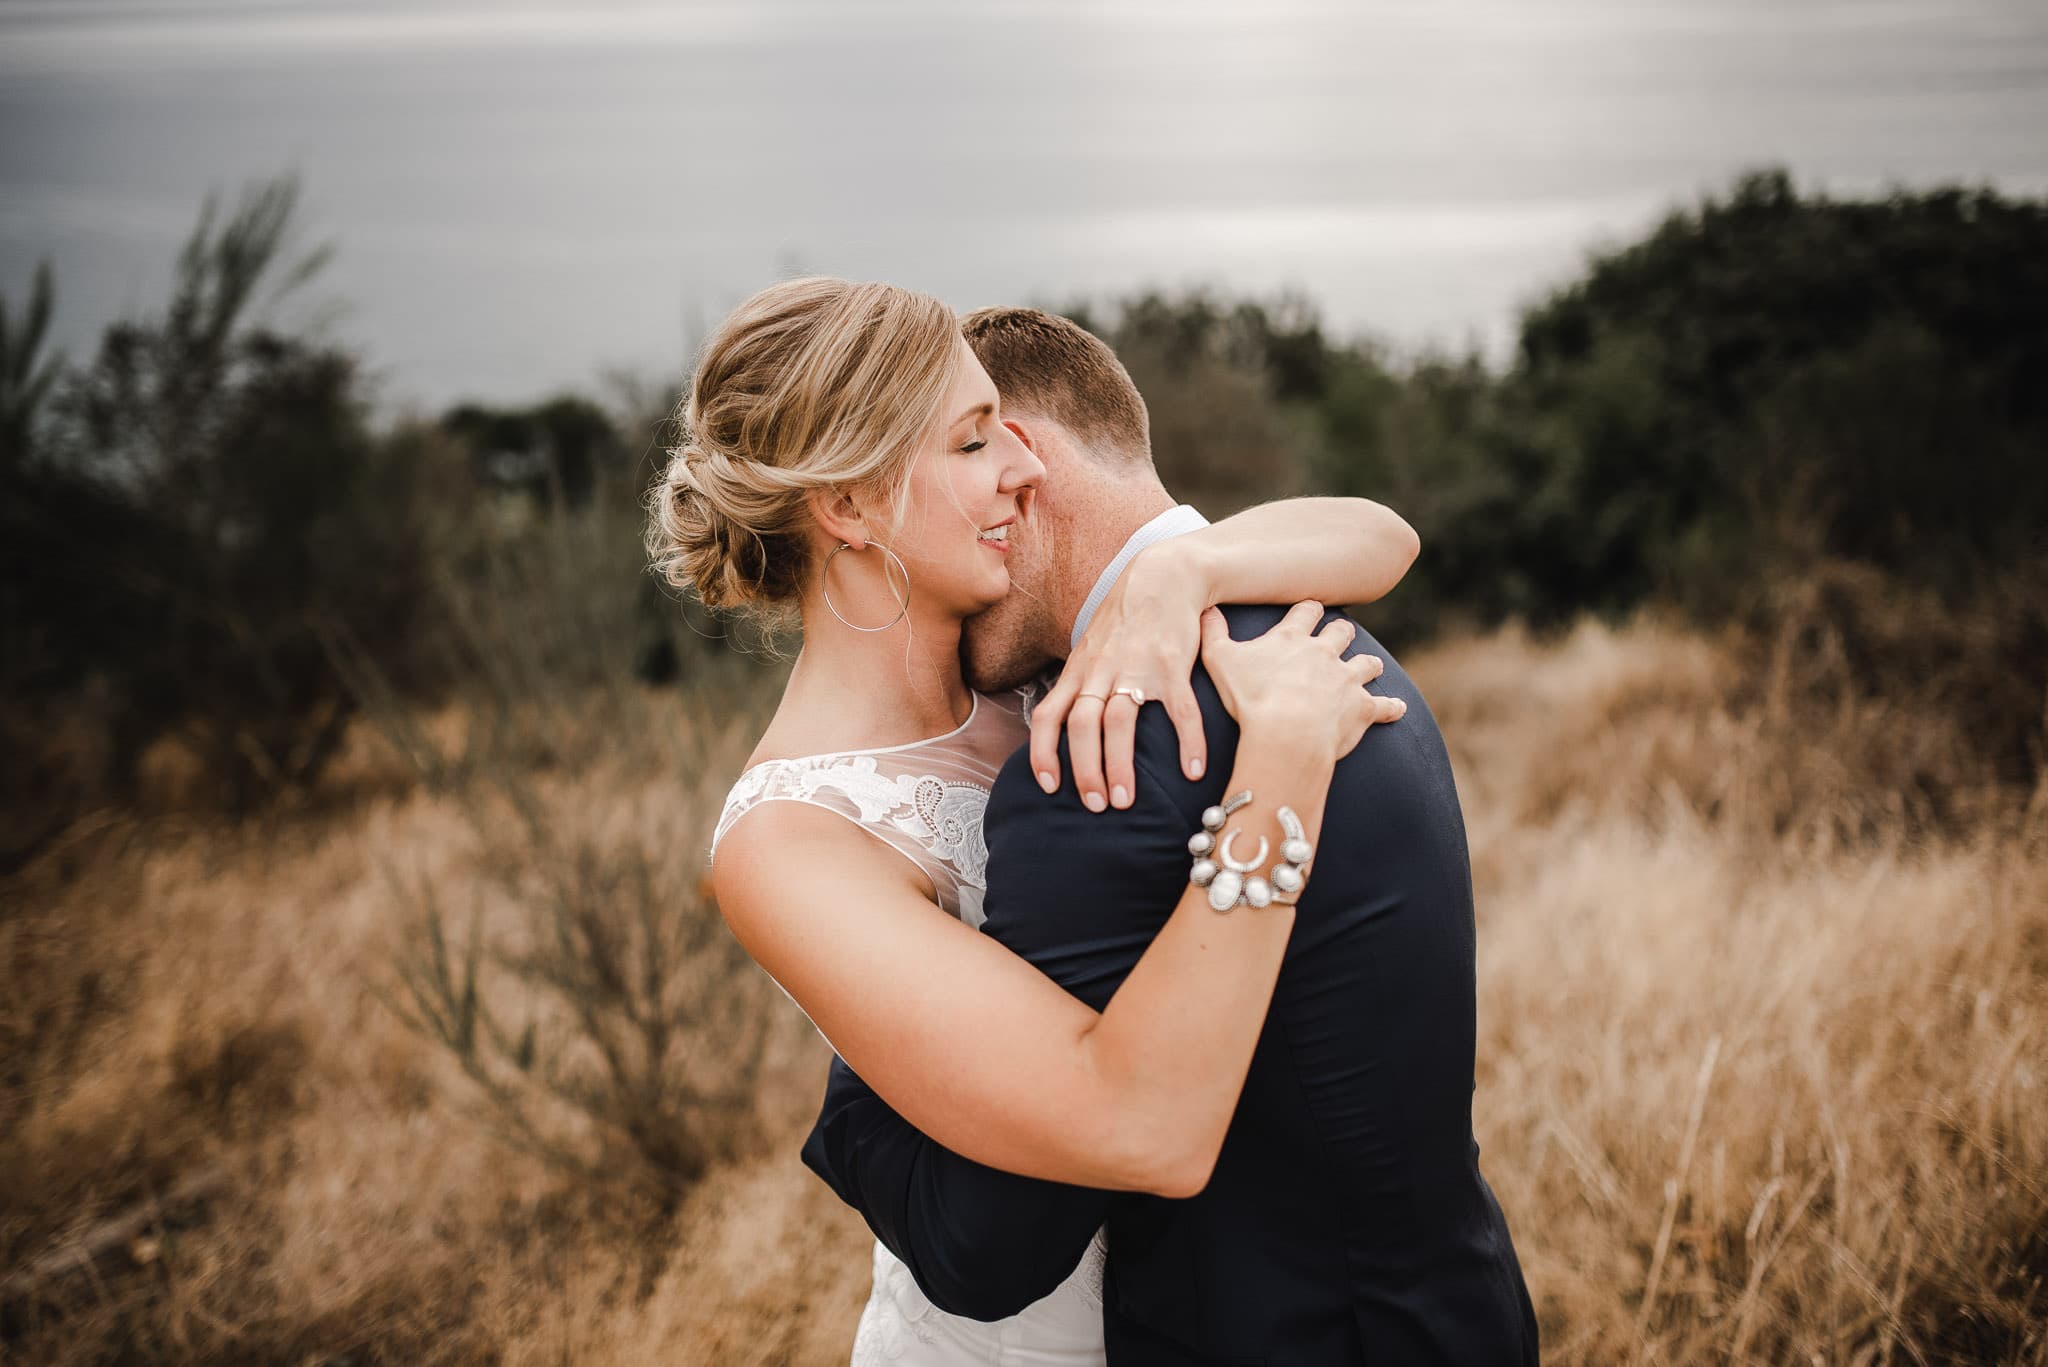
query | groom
[1346, 1221]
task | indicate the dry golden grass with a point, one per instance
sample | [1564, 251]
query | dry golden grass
[1760, 1052]
[1748, 1092]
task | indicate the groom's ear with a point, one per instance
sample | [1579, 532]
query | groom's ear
[1025, 432]
[840, 515]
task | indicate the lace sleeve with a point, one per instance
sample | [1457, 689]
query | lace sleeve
[930, 820]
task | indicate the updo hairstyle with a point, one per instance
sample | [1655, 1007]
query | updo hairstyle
[812, 383]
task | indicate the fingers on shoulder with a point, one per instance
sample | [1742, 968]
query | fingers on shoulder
[1169, 740]
[1215, 629]
[1184, 712]
[1303, 616]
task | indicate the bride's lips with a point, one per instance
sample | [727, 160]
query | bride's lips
[1000, 532]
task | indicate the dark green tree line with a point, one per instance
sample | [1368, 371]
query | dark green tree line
[1766, 387]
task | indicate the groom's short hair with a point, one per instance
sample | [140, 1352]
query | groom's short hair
[1045, 364]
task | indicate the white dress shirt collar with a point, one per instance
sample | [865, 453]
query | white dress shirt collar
[1175, 521]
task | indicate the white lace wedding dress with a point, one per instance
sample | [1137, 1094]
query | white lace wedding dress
[926, 800]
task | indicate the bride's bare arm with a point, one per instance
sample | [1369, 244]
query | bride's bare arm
[1339, 550]
[978, 1048]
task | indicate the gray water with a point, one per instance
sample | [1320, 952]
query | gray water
[523, 195]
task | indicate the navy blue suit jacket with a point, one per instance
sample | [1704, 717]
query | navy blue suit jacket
[1346, 1221]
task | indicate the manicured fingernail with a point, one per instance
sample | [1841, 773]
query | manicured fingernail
[1194, 768]
[1400, 708]
[1047, 781]
[1118, 797]
[1092, 801]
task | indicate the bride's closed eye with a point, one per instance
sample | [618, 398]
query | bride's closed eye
[971, 447]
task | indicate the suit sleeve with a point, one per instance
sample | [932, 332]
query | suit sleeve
[1080, 895]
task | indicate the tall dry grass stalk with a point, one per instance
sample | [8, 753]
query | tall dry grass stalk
[1750, 1091]
[1760, 1045]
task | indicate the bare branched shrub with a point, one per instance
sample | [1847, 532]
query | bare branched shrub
[600, 1007]
[585, 985]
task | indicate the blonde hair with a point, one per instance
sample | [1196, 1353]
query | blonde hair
[810, 384]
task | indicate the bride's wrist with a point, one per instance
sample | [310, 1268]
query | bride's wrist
[1232, 877]
[1286, 747]
[1180, 566]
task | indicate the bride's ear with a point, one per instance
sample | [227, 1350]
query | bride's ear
[839, 515]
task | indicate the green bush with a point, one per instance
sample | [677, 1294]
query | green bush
[1219, 379]
[1770, 391]
[556, 450]
[1775, 378]
[1764, 383]
[184, 505]
[204, 536]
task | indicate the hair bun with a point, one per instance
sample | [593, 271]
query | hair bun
[810, 384]
[693, 539]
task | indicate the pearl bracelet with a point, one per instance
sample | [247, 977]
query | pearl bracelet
[1237, 881]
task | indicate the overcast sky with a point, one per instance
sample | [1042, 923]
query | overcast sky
[521, 194]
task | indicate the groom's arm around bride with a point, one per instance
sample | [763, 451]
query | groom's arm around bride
[1345, 1219]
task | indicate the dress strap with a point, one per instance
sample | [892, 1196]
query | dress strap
[931, 820]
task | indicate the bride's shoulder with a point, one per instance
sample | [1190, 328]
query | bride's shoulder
[782, 843]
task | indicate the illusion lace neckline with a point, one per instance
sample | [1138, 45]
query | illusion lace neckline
[973, 711]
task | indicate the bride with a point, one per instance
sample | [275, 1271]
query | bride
[846, 461]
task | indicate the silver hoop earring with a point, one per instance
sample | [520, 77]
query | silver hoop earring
[826, 590]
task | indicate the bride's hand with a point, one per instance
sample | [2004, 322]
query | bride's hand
[1145, 635]
[1294, 685]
